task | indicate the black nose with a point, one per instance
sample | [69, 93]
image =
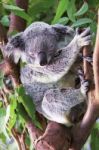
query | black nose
[42, 58]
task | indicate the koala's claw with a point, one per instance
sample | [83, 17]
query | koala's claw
[81, 74]
[85, 32]
[84, 87]
[88, 59]
[84, 83]
[84, 38]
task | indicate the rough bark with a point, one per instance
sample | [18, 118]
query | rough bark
[56, 137]
[17, 23]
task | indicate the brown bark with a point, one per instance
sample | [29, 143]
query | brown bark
[17, 23]
[56, 137]
[3, 34]
[33, 131]
[96, 62]
[9, 68]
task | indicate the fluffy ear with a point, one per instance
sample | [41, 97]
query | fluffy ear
[15, 47]
[63, 29]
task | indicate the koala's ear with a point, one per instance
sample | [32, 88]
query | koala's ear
[15, 47]
[61, 29]
[17, 41]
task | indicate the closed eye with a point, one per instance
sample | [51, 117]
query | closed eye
[58, 53]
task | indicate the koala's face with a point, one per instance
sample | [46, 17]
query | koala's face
[42, 49]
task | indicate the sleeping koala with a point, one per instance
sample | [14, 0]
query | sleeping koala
[50, 52]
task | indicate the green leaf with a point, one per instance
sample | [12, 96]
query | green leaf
[1, 79]
[62, 7]
[5, 21]
[82, 10]
[2, 112]
[2, 137]
[63, 20]
[22, 14]
[95, 139]
[1, 103]
[71, 9]
[12, 7]
[40, 6]
[22, 113]
[26, 101]
[13, 106]
[4, 117]
[81, 22]
[18, 11]
[3, 145]
[28, 104]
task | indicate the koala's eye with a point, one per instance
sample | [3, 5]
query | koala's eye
[58, 53]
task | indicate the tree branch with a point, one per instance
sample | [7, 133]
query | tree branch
[17, 23]
[56, 137]
[3, 34]
[96, 62]
[82, 131]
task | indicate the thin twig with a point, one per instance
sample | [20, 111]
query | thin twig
[96, 62]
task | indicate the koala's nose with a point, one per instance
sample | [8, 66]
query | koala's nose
[42, 58]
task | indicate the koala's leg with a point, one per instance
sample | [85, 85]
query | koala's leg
[84, 83]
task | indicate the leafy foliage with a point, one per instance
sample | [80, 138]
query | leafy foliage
[1, 80]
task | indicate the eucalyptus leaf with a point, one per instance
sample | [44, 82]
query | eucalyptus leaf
[39, 6]
[95, 139]
[5, 21]
[1, 79]
[63, 20]
[22, 113]
[62, 7]
[1, 103]
[28, 104]
[2, 112]
[82, 10]
[4, 117]
[22, 14]
[12, 7]
[71, 9]
[81, 22]
[13, 116]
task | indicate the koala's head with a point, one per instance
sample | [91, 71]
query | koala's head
[39, 45]
[43, 46]
[41, 49]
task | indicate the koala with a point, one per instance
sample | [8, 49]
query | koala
[50, 52]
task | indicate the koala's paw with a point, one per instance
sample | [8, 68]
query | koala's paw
[84, 87]
[84, 38]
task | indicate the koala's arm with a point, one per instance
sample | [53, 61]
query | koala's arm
[64, 59]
